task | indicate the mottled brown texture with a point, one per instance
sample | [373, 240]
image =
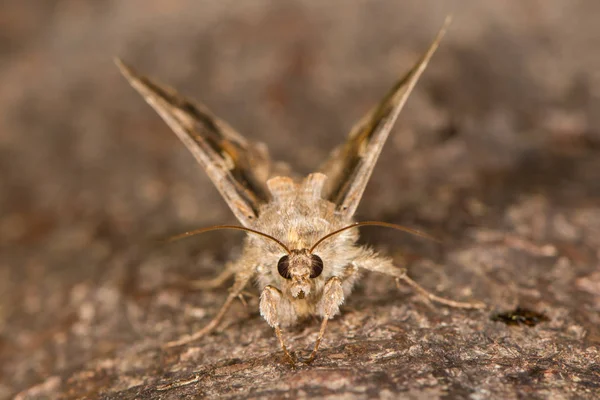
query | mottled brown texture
[497, 152]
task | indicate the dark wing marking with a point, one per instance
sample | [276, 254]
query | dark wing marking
[349, 167]
[238, 169]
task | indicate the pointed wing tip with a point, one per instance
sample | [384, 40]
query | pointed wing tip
[125, 69]
[438, 38]
[445, 26]
[447, 21]
[420, 66]
[139, 82]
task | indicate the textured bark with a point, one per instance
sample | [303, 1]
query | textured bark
[497, 152]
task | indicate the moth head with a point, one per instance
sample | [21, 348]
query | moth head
[300, 267]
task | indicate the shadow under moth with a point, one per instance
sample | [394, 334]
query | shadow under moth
[301, 245]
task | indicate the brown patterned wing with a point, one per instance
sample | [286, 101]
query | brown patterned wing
[350, 166]
[238, 169]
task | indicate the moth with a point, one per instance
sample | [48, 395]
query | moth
[301, 244]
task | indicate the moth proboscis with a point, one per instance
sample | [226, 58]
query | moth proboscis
[301, 245]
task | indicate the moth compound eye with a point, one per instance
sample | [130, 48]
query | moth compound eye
[282, 266]
[316, 266]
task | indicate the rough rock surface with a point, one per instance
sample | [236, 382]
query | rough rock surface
[497, 151]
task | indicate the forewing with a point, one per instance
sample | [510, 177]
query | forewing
[238, 169]
[350, 166]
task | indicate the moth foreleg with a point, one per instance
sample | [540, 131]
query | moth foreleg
[328, 307]
[240, 282]
[207, 284]
[386, 266]
[270, 303]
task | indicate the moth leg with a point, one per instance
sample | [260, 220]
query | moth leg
[206, 284]
[270, 301]
[385, 266]
[236, 290]
[432, 297]
[328, 307]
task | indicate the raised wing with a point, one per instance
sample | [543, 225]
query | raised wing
[349, 167]
[238, 169]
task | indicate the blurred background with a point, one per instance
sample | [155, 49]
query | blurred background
[502, 132]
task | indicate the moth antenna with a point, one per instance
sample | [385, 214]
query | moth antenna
[376, 223]
[231, 227]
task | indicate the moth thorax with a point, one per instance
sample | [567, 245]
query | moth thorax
[312, 185]
[283, 187]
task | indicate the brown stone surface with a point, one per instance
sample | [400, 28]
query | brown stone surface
[497, 151]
